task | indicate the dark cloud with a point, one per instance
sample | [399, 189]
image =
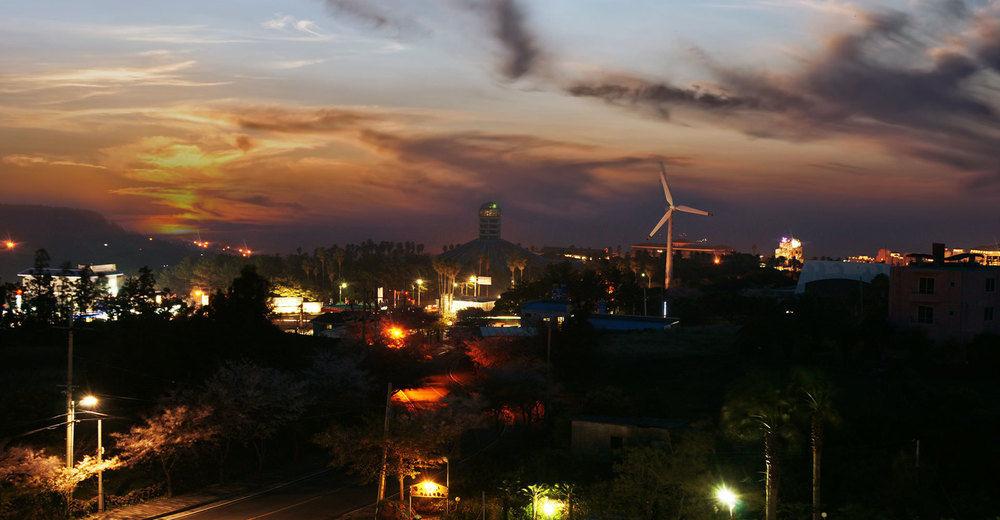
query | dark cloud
[511, 31]
[364, 10]
[660, 97]
[887, 82]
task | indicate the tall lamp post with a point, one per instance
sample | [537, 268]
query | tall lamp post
[90, 402]
[420, 288]
[340, 293]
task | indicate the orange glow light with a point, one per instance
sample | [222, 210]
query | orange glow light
[9, 244]
[396, 333]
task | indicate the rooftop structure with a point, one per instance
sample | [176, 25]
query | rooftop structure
[824, 270]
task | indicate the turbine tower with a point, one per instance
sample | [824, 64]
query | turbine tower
[669, 221]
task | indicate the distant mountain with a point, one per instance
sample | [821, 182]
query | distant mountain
[80, 237]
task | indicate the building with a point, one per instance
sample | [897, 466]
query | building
[625, 323]
[337, 325]
[598, 437]
[789, 248]
[989, 255]
[829, 273]
[489, 220]
[686, 248]
[63, 280]
[949, 298]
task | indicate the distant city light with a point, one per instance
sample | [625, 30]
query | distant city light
[9, 244]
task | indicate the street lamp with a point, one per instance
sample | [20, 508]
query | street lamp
[90, 401]
[727, 498]
[340, 294]
[420, 288]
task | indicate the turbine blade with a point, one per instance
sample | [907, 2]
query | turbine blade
[663, 220]
[663, 181]
[689, 209]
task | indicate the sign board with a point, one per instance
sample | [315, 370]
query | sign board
[428, 489]
[484, 280]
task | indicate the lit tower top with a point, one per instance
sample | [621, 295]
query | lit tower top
[489, 220]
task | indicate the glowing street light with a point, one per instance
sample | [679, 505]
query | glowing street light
[90, 401]
[420, 289]
[340, 295]
[550, 508]
[727, 498]
[9, 244]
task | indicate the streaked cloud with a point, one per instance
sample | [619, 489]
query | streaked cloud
[23, 160]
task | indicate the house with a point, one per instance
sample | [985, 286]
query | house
[598, 436]
[952, 298]
[336, 325]
[536, 311]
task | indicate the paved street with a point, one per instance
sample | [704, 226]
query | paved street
[324, 496]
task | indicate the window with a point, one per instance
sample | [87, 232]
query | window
[988, 314]
[925, 314]
[991, 284]
[925, 286]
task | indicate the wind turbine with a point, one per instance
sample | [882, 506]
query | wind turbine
[669, 221]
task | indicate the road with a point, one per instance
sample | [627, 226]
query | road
[324, 496]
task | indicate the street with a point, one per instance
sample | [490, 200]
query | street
[324, 496]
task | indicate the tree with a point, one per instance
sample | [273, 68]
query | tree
[88, 290]
[41, 303]
[817, 394]
[246, 302]
[42, 482]
[759, 407]
[166, 437]
[250, 404]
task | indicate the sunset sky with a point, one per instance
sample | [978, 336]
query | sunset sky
[854, 125]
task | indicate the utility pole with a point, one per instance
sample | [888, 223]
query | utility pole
[70, 404]
[100, 473]
[548, 346]
[385, 450]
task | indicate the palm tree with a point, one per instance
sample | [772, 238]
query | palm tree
[759, 408]
[522, 263]
[512, 267]
[817, 394]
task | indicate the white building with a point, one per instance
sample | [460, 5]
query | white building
[64, 279]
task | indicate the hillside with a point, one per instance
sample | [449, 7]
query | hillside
[77, 236]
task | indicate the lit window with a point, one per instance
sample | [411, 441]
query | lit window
[988, 314]
[925, 286]
[925, 314]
